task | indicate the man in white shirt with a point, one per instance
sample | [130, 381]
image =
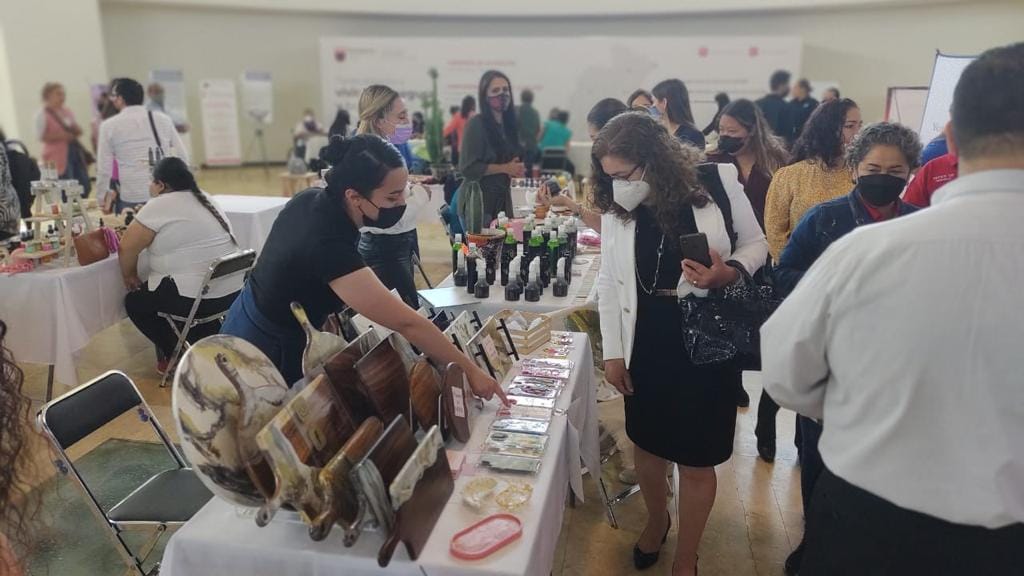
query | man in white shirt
[134, 139]
[905, 339]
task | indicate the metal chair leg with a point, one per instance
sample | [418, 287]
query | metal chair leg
[416, 262]
[182, 336]
[609, 511]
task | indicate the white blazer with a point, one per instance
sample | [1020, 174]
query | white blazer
[616, 282]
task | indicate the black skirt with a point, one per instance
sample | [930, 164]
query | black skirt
[679, 411]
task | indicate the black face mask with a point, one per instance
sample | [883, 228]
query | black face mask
[386, 217]
[880, 189]
[731, 144]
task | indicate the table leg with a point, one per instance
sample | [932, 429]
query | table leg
[49, 383]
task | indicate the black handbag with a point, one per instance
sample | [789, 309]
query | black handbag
[725, 326]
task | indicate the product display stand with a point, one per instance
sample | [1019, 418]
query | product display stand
[48, 197]
[508, 338]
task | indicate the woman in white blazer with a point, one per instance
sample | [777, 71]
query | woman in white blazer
[652, 192]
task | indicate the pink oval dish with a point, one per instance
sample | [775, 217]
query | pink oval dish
[486, 537]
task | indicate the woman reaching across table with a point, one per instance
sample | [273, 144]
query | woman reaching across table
[310, 257]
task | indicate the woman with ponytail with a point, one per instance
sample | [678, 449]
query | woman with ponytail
[183, 232]
[311, 257]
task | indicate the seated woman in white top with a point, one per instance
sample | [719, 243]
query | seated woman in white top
[183, 232]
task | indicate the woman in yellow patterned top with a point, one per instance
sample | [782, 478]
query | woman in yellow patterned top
[817, 173]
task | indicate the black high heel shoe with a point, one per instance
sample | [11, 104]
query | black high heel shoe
[644, 560]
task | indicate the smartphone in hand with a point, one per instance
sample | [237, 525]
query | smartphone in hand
[695, 247]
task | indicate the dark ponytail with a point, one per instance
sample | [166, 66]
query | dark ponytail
[174, 173]
[361, 163]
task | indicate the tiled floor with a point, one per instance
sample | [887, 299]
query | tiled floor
[757, 516]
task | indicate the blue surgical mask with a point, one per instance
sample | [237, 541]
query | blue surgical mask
[654, 112]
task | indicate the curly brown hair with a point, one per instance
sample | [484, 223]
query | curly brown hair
[670, 169]
[17, 505]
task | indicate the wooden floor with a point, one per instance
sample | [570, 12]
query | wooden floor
[757, 516]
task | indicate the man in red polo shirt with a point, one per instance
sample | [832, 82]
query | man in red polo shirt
[931, 177]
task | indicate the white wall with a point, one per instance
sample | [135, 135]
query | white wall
[462, 8]
[49, 40]
[867, 49]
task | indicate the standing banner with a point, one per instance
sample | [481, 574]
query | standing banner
[218, 108]
[568, 73]
[945, 75]
[258, 96]
[175, 104]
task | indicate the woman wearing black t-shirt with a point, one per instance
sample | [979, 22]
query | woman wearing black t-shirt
[310, 257]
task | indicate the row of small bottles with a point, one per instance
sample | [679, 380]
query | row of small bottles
[550, 248]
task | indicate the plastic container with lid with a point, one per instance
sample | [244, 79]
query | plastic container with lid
[486, 537]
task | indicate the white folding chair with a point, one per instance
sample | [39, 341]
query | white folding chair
[238, 263]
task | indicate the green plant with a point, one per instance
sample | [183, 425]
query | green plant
[433, 124]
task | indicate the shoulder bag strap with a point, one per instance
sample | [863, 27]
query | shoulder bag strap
[152, 126]
[712, 182]
[59, 120]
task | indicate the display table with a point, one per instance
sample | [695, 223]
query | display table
[291, 184]
[52, 312]
[224, 539]
[251, 217]
[582, 289]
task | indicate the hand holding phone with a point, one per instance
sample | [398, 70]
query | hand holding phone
[695, 247]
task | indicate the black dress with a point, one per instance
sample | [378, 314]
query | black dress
[679, 411]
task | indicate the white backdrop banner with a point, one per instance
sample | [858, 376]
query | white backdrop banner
[258, 96]
[173, 82]
[568, 73]
[219, 109]
[945, 75]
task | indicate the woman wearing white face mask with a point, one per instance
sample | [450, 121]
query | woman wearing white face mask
[388, 251]
[652, 192]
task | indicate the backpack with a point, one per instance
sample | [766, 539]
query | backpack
[712, 182]
[24, 170]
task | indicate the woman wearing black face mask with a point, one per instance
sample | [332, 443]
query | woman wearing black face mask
[882, 158]
[310, 257]
[746, 141]
[490, 147]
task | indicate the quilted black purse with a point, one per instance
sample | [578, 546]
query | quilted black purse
[725, 326]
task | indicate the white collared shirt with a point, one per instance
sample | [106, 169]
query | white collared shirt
[906, 337]
[128, 138]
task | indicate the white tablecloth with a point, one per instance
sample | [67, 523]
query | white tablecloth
[51, 313]
[582, 287]
[222, 539]
[251, 217]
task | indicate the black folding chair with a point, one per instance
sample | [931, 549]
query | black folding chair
[238, 263]
[166, 500]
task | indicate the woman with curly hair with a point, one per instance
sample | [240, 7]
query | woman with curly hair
[817, 174]
[15, 506]
[881, 158]
[652, 191]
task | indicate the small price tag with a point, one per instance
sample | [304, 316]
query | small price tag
[460, 402]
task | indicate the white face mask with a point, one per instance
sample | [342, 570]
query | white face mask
[630, 193]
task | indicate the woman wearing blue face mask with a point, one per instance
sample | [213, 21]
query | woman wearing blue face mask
[653, 190]
[389, 251]
[310, 257]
